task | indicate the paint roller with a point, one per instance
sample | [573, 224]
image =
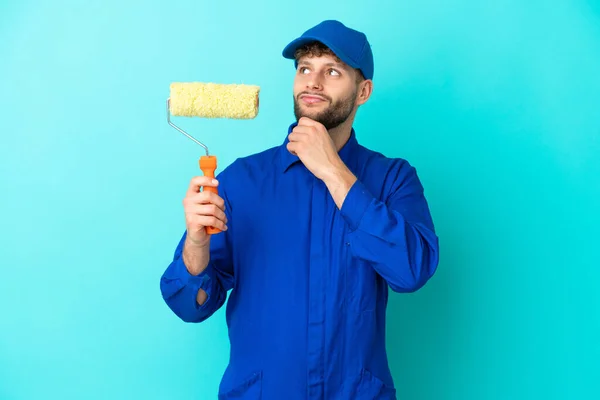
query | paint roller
[211, 100]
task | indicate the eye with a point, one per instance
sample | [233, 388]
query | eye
[303, 70]
[334, 72]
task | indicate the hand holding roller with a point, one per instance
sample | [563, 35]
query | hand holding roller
[211, 100]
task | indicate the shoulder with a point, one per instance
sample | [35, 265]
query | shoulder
[395, 167]
[252, 163]
[390, 174]
[261, 159]
[244, 170]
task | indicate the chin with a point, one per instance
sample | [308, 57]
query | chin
[314, 115]
[313, 112]
[313, 108]
[309, 109]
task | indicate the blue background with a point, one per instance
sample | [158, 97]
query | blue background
[495, 103]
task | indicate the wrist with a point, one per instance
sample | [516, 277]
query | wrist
[196, 245]
[195, 257]
[332, 171]
[339, 175]
[339, 179]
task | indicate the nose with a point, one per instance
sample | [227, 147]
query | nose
[313, 82]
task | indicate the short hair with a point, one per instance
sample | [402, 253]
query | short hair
[317, 49]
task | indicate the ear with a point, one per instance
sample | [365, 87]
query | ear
[365, 88]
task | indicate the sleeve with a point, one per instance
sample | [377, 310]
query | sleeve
[397, 237]
[179, 288]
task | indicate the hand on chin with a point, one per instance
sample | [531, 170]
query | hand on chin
[311, 142]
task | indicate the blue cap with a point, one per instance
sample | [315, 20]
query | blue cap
[351, 46]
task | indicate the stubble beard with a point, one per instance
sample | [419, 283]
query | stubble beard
[334, 115]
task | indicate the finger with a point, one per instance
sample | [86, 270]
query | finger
[292, 148]
[210, 210]
[199, 181]
[303, 129]
[307, 122]
[298, 136]
[211, 221]
[205, 197]
[207, 220]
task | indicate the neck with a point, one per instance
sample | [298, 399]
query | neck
[341, 133]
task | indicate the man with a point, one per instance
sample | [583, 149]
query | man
[315, 231]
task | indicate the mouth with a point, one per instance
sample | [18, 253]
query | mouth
[312, 99]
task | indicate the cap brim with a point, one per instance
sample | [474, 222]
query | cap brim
[290, 49]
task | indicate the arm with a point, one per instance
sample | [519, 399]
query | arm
[397, 237]
[195, 283]
[182, 290]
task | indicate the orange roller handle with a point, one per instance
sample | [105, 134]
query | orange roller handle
[208, 165]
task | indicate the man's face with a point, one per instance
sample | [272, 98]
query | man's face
[325, 90]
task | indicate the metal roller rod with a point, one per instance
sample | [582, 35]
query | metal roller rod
[181, 130]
